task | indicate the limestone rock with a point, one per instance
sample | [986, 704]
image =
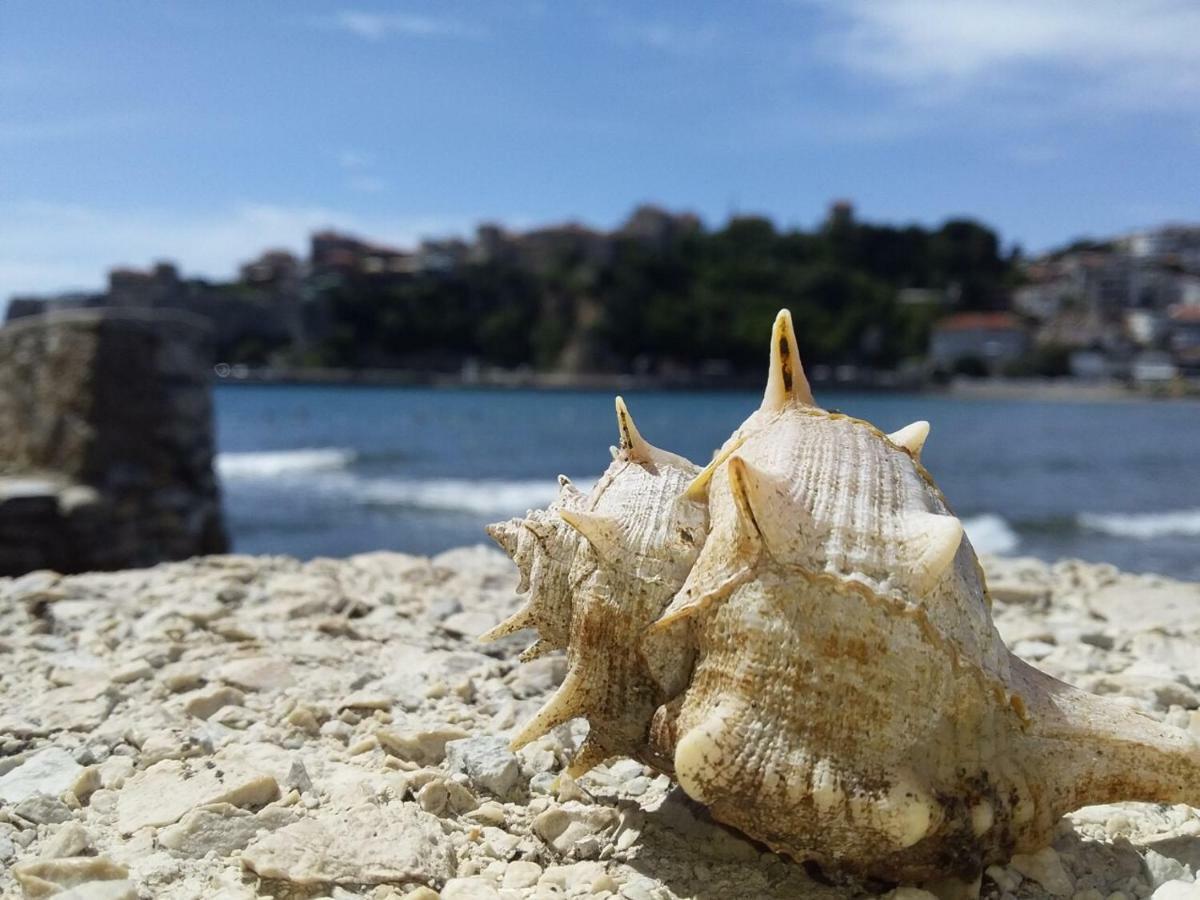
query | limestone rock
[368, 844]
[574, 829]
[162, 794]
[489, 764]
[51, 772]
[257, 673]
[426, 747]
[50, 877]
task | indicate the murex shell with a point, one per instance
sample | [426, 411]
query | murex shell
[801, 635]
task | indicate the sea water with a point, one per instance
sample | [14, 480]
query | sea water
[331, 471]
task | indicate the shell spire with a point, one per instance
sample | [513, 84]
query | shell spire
[786, 382]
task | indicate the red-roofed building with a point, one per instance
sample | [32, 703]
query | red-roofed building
[992, 338]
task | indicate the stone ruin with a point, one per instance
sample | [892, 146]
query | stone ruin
[106, 441]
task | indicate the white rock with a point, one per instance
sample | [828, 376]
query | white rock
[368, 844]
[204, 703]
[575, 829]
[219, 827]
[101, 890]
[521, 874]
[1046, 868]
[425, 747]
[52, 771]
[468, 889]
[489, 764]
[70, 839]
[163, 793]
[50, 877]
[43, 810]
[257, 673]
[1177, 890]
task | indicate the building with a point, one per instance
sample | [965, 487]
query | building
[1183, 336]
[984, 339]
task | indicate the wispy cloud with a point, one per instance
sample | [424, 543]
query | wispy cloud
[45, 130]
[53, 247]
[377, 26]
[362, 177]
[1128, 53]
[659, 35]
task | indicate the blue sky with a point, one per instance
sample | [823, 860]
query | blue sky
[207, 131]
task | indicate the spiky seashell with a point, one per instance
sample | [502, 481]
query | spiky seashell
[802, 636]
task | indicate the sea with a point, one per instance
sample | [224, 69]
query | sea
[335, 470]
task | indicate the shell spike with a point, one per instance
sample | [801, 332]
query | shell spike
[786, 382]
[567, 490]
[536, 650]
[518, 621]
[911, 438]
[568, 702]
[603, 533]
[591, 753]
[505, 534]
[933, 541]
[632, 442]
[731, 559]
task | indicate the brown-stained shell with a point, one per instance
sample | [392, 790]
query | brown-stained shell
[800, 634]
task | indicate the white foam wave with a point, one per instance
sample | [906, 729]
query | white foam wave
[1144, 526]
[482, 496]
[990, 533]
[277, 463]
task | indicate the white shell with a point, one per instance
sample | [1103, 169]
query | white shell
[802, 636]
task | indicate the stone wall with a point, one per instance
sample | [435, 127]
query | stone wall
[106, 441]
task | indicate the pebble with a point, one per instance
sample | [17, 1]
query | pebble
[162, 794]
[1177, 890]
[574, 829]
[367, 844]
[357, 751]
[489, 764]
[51, 772]
[426, 747]
[1046, 868]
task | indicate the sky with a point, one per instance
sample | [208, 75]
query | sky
[205, 132]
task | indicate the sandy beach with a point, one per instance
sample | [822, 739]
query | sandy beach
[242, 727]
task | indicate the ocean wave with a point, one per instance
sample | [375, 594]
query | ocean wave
[1144, 526]
[991, 533]
[480, 496]
[277, 463]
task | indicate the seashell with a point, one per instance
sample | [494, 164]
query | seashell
[801, 635]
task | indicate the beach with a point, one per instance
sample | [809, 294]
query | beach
[237, 727]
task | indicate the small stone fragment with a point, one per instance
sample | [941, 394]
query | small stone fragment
[369, 844]
[71, 839]
[1046, 868]
[257, 673]
[162, 794]
[521, 874]
[51, 772]
[43, 810]
[468, 889]
[426, 748]
[204, 703]
[574, 829]
[1177, 890]
[489, 764]
[50, 877]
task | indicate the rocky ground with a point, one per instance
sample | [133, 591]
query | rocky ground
[238, 727]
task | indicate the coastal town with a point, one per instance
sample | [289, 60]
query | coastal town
[665, 299]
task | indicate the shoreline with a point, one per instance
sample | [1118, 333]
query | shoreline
[1042, 390]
